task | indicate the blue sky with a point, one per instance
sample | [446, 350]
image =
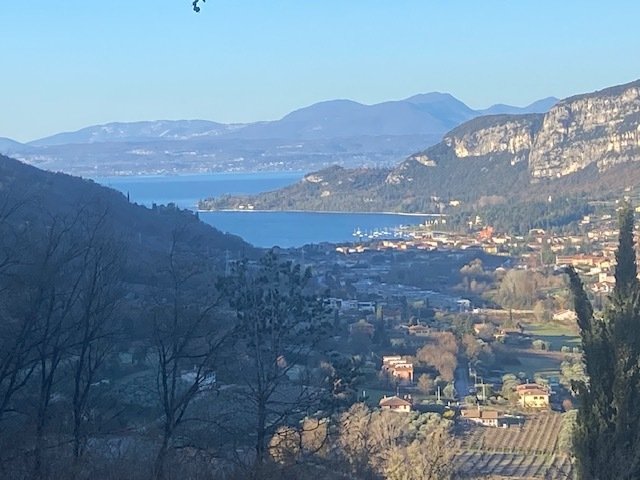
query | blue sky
[69, 64]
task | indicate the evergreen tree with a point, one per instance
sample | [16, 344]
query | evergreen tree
[626, 268]
[607, 436]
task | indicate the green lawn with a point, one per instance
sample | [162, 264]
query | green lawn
[532, 362]
[557, 335]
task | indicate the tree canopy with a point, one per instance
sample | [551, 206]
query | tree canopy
[606, 441]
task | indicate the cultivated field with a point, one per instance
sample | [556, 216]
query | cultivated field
[526, 452]
[513, 465]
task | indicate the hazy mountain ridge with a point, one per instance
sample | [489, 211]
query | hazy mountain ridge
[9, 145]
[578, 146]
[336, 131]
[138, 131]
[427, 113]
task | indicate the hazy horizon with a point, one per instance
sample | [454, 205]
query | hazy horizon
[86, 63]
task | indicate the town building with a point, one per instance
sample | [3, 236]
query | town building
[396, 404]
[532, 395]
[486, 418]
[397, 368]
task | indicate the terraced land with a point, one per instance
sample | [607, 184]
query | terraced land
[524, 452]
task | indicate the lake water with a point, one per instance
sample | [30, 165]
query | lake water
[186, 190]
[263, 229]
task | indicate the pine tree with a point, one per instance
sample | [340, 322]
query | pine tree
[607, 436]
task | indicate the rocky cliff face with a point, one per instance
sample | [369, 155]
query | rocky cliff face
[508, 137]
[513, 135]
[602, 128]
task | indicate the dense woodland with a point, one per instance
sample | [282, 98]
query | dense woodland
[556, 213]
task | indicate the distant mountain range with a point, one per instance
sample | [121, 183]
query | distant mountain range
[138, 132]
[584, 145]
[340, 132]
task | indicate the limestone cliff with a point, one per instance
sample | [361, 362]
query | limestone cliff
[492, 134]
[509, 134]
[601, 128]
[508, 137]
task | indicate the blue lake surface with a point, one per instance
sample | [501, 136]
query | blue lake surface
[263, 229]
[186, 190]
[294, 229]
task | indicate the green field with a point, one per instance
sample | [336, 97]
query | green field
[533, 362]
[558, 335]
[530, 362]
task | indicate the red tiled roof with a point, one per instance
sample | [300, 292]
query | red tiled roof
[394, 402]
[529, 386]
[484, 414]
[533, 391]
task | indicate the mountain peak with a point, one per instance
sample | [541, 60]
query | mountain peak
[431, 97]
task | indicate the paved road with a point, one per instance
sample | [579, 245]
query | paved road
[461, 381]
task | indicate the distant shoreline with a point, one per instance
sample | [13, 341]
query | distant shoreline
[244, 210]
[192, 175]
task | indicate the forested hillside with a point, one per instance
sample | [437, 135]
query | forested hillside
[36, 196]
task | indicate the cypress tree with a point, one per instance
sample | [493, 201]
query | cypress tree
[607, 436]
[626, 268]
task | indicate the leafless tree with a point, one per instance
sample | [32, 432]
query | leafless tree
[187, 338]
[100, 266]
[52, 289]
[57, 298]
[15, 334]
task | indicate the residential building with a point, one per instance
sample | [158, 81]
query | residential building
[419, 330]
[486, 418]
[396, 404]
[565, 316]
[398, 368]
[532, 395]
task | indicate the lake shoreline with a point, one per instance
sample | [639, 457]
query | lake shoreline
[332, 212]
[265, 228]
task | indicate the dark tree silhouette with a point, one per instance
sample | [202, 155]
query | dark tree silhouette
[606, 440]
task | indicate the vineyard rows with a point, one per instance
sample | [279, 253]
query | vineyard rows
[513, 465]
[529, 451]
[538, 435]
